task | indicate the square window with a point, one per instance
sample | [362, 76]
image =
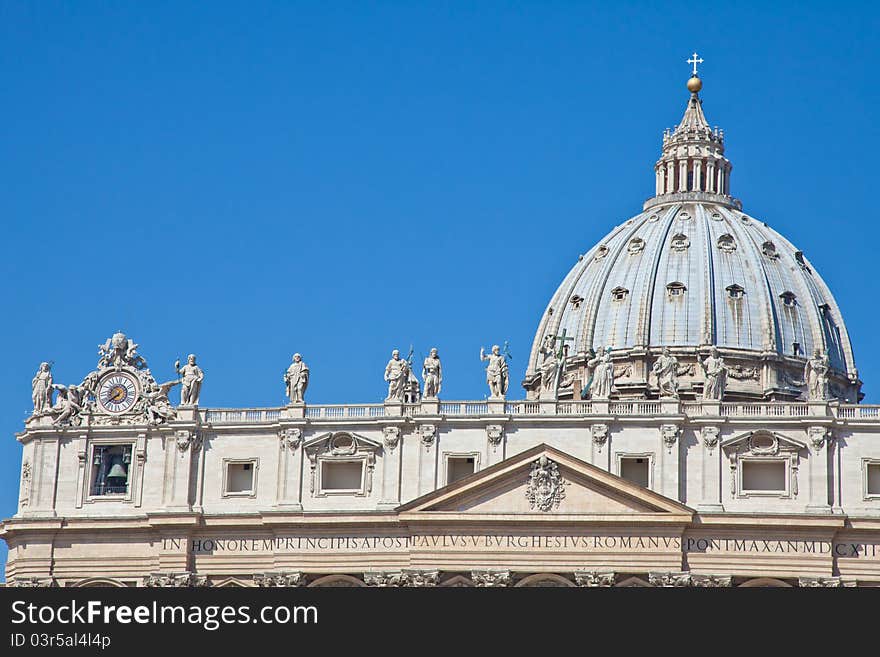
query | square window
[872, 478]
[111, 466]
[339, 476]
[764, 476]
[459, 467]
[240, 478]
[635, 469]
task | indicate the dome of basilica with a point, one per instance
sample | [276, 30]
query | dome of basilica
[692, 271]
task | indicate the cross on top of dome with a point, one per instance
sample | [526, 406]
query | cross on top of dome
[695, 60]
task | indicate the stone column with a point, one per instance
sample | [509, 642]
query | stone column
[392, 464]
[710, 476]
[670, 177]
[669, 461]
[819, 440]
[427, 434]
[710, 176]
[698, 175]
[496, 443]
[682, 176]
[289, 482]
[180, 450]
[600, 440]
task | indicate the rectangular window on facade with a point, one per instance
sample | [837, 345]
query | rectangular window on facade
[459, 467]
[635, 469]
[763, 476]
[342, 476]
[872, 479]
[110, 470]
[240, 478]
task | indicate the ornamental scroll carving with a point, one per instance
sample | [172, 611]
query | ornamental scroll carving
[390, 438]
[428, 435]
[32, 582]
[594, 579]
[411, 578]
[490, 578]
[710, 437]
[669, 433]
[546, 487]
[186, 439]
[180, 580]
[290, 438]
[280, 579]
[599, 433]
[494, 433]
[818, 436]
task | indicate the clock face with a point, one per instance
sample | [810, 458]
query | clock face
[117, 393]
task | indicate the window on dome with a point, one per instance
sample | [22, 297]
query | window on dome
[680, 242]
[576, 301]
[788, 298]
[601, 252]
[726, 243]
[619, 293]
[676, 289]
[735, 291]
[769, 249]
[636, 245]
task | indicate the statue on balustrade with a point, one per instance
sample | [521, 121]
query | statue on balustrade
[601, 379]
[41, 389]
[496, 371]
[666, 370]
[816, 375]
[296, 380]
[550, 365]
[432, 374]
[191, 377]
[715, 372]
[397, 375]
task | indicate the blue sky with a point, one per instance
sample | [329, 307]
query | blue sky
[246, 180]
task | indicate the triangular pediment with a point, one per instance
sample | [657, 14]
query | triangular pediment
[545, 483]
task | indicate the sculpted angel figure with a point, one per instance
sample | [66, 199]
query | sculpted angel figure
[432, 374]
[157, 407]
[496, 371]
[816, 375]
[69, 405]
[601, 381]
[397, 376]
[715, 372]
[666, 370]
[297, 379]
[191, 377]
[41, 389]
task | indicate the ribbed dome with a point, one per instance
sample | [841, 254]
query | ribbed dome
[691, 271]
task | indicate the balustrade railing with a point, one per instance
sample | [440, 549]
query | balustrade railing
[530, 407]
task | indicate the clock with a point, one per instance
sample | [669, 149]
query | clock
[117, 393]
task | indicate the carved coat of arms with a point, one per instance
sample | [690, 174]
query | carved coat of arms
[546, 487]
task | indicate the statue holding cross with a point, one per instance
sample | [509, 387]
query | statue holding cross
[554, 358]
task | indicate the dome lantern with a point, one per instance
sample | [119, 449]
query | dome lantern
[692, 164]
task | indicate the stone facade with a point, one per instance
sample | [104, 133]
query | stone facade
[671, 459]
